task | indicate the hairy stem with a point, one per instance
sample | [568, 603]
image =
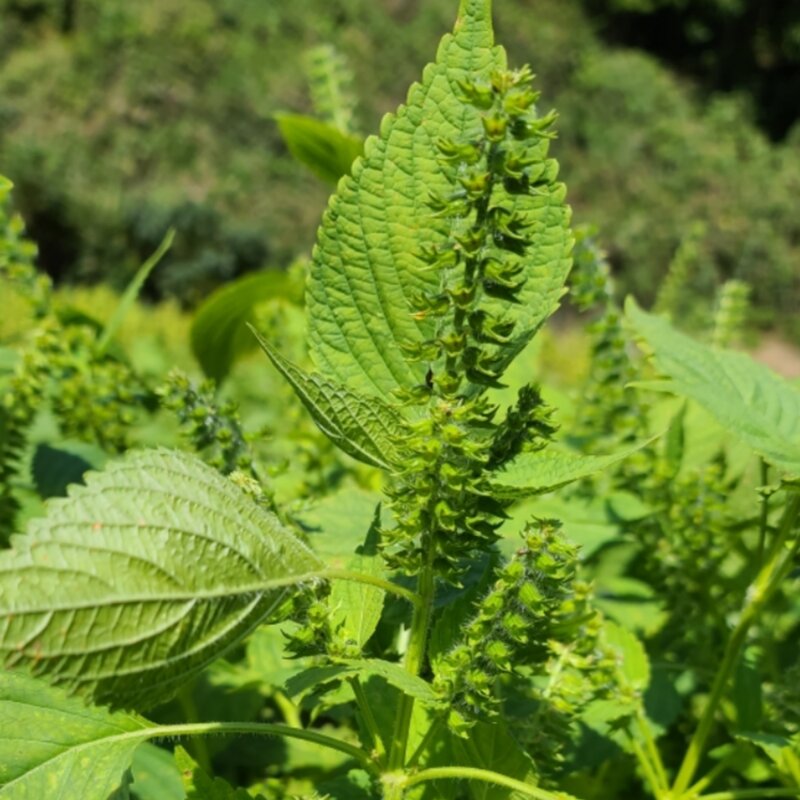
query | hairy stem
[779, 563]
[486, 776]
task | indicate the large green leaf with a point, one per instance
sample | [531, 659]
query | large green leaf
[327, 151]
[750, 401]
[142, 577]
[364, 427]
[368, 264]
[56, 747]
[545, 470]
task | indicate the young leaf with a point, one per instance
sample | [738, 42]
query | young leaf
[132, 292]
[139, 579]
[53, 745]
[545, 470]
[392, 673]
[746, 398]
[368, 265]
[366, 428]
[327, 151]
[155, 775]
[219, 334]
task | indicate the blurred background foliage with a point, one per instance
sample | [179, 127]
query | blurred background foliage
[678, 119]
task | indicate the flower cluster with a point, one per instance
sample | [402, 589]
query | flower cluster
[442, 503]
[535, 620]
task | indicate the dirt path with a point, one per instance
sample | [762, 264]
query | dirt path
[779, 355]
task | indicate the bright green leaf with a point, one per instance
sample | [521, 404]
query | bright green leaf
[364, 427]
[56, 747]
[368, 264]
[545, 470]
[750, 401]
[632, 661]
[138, 580]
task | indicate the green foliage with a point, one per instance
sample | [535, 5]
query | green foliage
[751, 402]
[519, 618]
[206, 565]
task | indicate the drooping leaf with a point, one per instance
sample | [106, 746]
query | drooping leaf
[219, 332]
[392, 673]
[368, 265]
[749, 400]
[139, 579]
[54, 746]
[325, 149]
[545, 470]
[366, 428]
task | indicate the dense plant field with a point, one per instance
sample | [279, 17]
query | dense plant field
[408, 537]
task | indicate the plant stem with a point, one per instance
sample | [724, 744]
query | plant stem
[189, 708]
[486, 776]
[764, 517]
[779, 563]
[251, 728]
[647, 767]
[434, 728]
[708, 778]
[415, 656]
[369, 719]
[751, 794]
[373, 580]
[651, 749]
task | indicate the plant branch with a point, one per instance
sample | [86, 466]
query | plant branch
[368, 717]
[751, 794]
[486, 776]
[779, 564]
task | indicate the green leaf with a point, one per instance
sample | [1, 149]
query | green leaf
[141, 578]
[491, 746]
[357, 607]
[54, 746]
[368, 264]
[783, 752]
[364, 668]
[364, 427]
[545, 470]
[327, 151]
[750, 401]
[219, 332]
[55, 468]
[132, 292]
[633, 664]
[155, 775]
[201, 786]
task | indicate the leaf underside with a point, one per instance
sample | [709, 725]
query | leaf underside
[364, 427]
[746, 398]
[141, 578]
[367, 265]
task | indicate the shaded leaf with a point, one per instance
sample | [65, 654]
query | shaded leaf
[219, 332]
